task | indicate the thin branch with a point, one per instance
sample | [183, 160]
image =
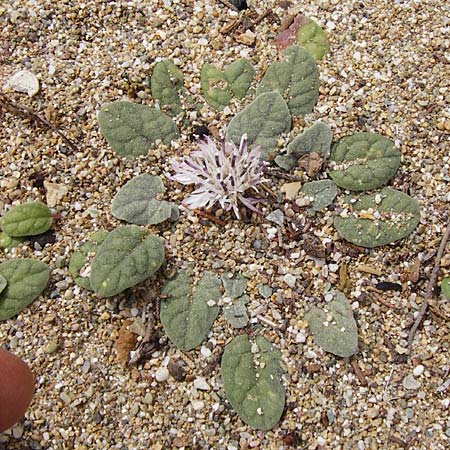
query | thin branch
[28, 113]
[430, 288]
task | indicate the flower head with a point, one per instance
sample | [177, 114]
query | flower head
[221, 175]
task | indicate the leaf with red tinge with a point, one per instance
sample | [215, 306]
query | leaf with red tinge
[287, 36]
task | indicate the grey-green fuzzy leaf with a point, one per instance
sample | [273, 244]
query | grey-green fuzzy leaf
[296, 79]
[125, 258]
[185, 313]
[264, 121]
[234, 286]
[7, 242]
[255, 391]
[166, 82]
[131, 128]
[316, 138]
[81, 257]
[378, 219]
[219, 87]
[3, 283]
[135, 202]
[323, 192]
[313, 38]
[236, 313]
[363, 161]
[28, 219]
[25, 280]
[334, 327]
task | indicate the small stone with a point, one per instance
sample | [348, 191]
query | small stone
[197, 405]
[290, 280]
[418, 370]
[205, 351]
[65, 397]
[104, 316]
[148, 398]
[276, 217]
[51, 347]
[409, 382]
[291, 189]
[372, 413]
[17, 431]
[247, 38]
[24, 81]
[200, 383]
[162, 374]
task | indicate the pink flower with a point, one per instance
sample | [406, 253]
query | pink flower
[221, 175]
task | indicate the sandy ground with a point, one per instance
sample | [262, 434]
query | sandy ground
[387, 72]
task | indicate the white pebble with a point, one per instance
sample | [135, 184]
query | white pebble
[205, 351]
[162, 374]
[290, 280]
[200, 383]
[418, 370]
[409, 382]
[197, 405]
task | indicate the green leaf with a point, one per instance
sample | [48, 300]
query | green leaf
[296, 79]
[26, 279]
[8, 242]
[316, 138]
[264, 120]
[313, 38]
[378, 219]
[334, 327]
[236, 313]
[3, 283]
[28, 219]
[219, 87]
[166, 82]
[252, 381]
[126, 257]
[188, 313]
[82, 256]
[363, 161]
[445, 287]
[135, 202]
[235, 285]
[131, 128]
[322, 193]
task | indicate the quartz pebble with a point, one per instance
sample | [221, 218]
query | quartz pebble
[410, 383]
[162, 374]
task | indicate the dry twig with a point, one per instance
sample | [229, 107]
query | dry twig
[28, 113]
[430, 288]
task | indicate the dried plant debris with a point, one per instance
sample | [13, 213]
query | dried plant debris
[126, 257]
[251, 374]
[334, 327]
[126, 342]
[131, 129]
[189, 311]
[25, 280]
[380, 218]
[296, 79]
[28, 219]
[363, 161]
[219, 87]
[263, 121]
[316, 138]
[136, 203]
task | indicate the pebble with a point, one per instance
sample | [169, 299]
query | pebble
[409, 382]
[290, 280]
[197, 405]
[148, 398]
[162, 374]
[51, 347]
[418, 370]
[205, 351]
[200, 383]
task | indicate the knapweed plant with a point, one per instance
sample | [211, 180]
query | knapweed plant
[221, 175]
